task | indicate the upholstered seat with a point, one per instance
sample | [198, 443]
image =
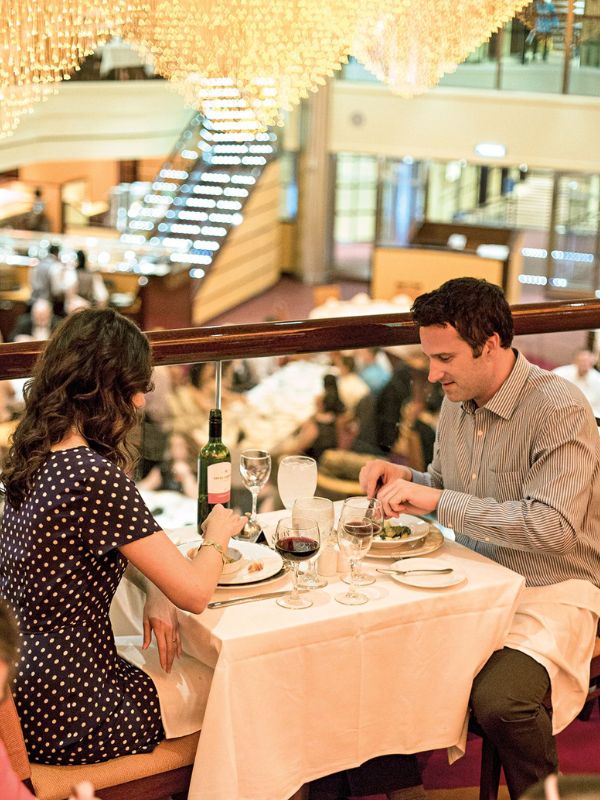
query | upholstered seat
[163, 773]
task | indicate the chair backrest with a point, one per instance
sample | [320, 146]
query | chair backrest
[12, 736]
[326, 291]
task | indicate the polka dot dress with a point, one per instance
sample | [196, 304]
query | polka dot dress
[79, 703]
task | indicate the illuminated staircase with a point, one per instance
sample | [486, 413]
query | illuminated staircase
[200, 193]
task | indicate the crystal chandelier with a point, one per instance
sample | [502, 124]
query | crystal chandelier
[412, 43]
[276, 51]
[43, 41]
[273, 52]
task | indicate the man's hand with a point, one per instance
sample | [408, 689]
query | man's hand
[382, 472]
[160, 616]
[405, 497]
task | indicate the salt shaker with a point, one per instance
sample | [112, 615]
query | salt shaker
[343, 565]
[327, 561]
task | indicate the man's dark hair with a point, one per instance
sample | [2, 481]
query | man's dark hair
[476, 308]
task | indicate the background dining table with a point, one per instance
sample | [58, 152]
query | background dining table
[295, 695]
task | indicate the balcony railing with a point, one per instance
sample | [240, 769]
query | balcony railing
[222, 343]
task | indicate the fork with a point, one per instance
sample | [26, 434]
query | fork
[390, 571]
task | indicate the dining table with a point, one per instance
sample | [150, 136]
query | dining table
[293, 695]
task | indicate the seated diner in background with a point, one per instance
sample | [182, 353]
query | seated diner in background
[36, 324]
[516, 474]
[73, 519]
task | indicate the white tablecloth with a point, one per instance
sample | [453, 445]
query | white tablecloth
[300, 694]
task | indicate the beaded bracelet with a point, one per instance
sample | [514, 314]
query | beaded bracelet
[224, 557]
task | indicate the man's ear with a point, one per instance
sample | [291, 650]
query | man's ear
[492, 345]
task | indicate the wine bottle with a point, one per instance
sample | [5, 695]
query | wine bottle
[214, 470]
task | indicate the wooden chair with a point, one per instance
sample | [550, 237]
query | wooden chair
[326, 291]
[161, 774]
[489, 779]
[338, 473]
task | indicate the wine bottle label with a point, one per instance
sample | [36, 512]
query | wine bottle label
[218, 478]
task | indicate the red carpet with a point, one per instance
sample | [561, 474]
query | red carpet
[578, 750]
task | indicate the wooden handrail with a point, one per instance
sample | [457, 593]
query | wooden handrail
[225, 342]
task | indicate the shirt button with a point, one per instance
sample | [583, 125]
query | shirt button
[479, 433]
[473, 476]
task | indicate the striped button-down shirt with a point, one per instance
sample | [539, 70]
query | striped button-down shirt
[521, 477]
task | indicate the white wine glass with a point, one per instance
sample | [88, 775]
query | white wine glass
[355, 535]
[296, 477]
[321, 510]
[373, 510]
[255, 468]
[296, 541]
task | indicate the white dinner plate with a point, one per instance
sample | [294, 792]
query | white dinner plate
[419, 529]
[271, 561]
[431, 581]
[432, 542]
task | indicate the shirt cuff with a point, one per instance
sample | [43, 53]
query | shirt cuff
[422, 478]
[452, 509]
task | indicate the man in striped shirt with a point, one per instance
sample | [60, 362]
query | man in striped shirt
[516, 474]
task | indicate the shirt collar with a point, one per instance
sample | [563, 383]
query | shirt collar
[504, 402]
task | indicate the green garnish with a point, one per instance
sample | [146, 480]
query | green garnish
[395, 531]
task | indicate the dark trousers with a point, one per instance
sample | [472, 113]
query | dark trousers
[507, 702]
[380, 775]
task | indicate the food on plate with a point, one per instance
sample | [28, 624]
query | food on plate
[395, 531]
[255, 566]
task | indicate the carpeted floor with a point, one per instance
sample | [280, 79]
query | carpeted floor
[578, 749]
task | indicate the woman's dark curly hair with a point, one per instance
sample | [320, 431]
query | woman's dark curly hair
[85, 379]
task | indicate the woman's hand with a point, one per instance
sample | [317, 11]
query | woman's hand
[160, 616]
[405, 497]
[221, 524]
[381, 472]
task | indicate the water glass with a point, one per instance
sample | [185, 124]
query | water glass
[321, 510]
[373, 509]
[296, 541]
[355, 535]
[296, 477]
[255, 468]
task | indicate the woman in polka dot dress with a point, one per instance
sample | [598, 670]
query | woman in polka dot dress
[72, 521]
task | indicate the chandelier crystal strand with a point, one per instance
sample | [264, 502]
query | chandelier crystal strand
[19, 101]
[414, 42]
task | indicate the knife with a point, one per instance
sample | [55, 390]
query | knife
[234, 600]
